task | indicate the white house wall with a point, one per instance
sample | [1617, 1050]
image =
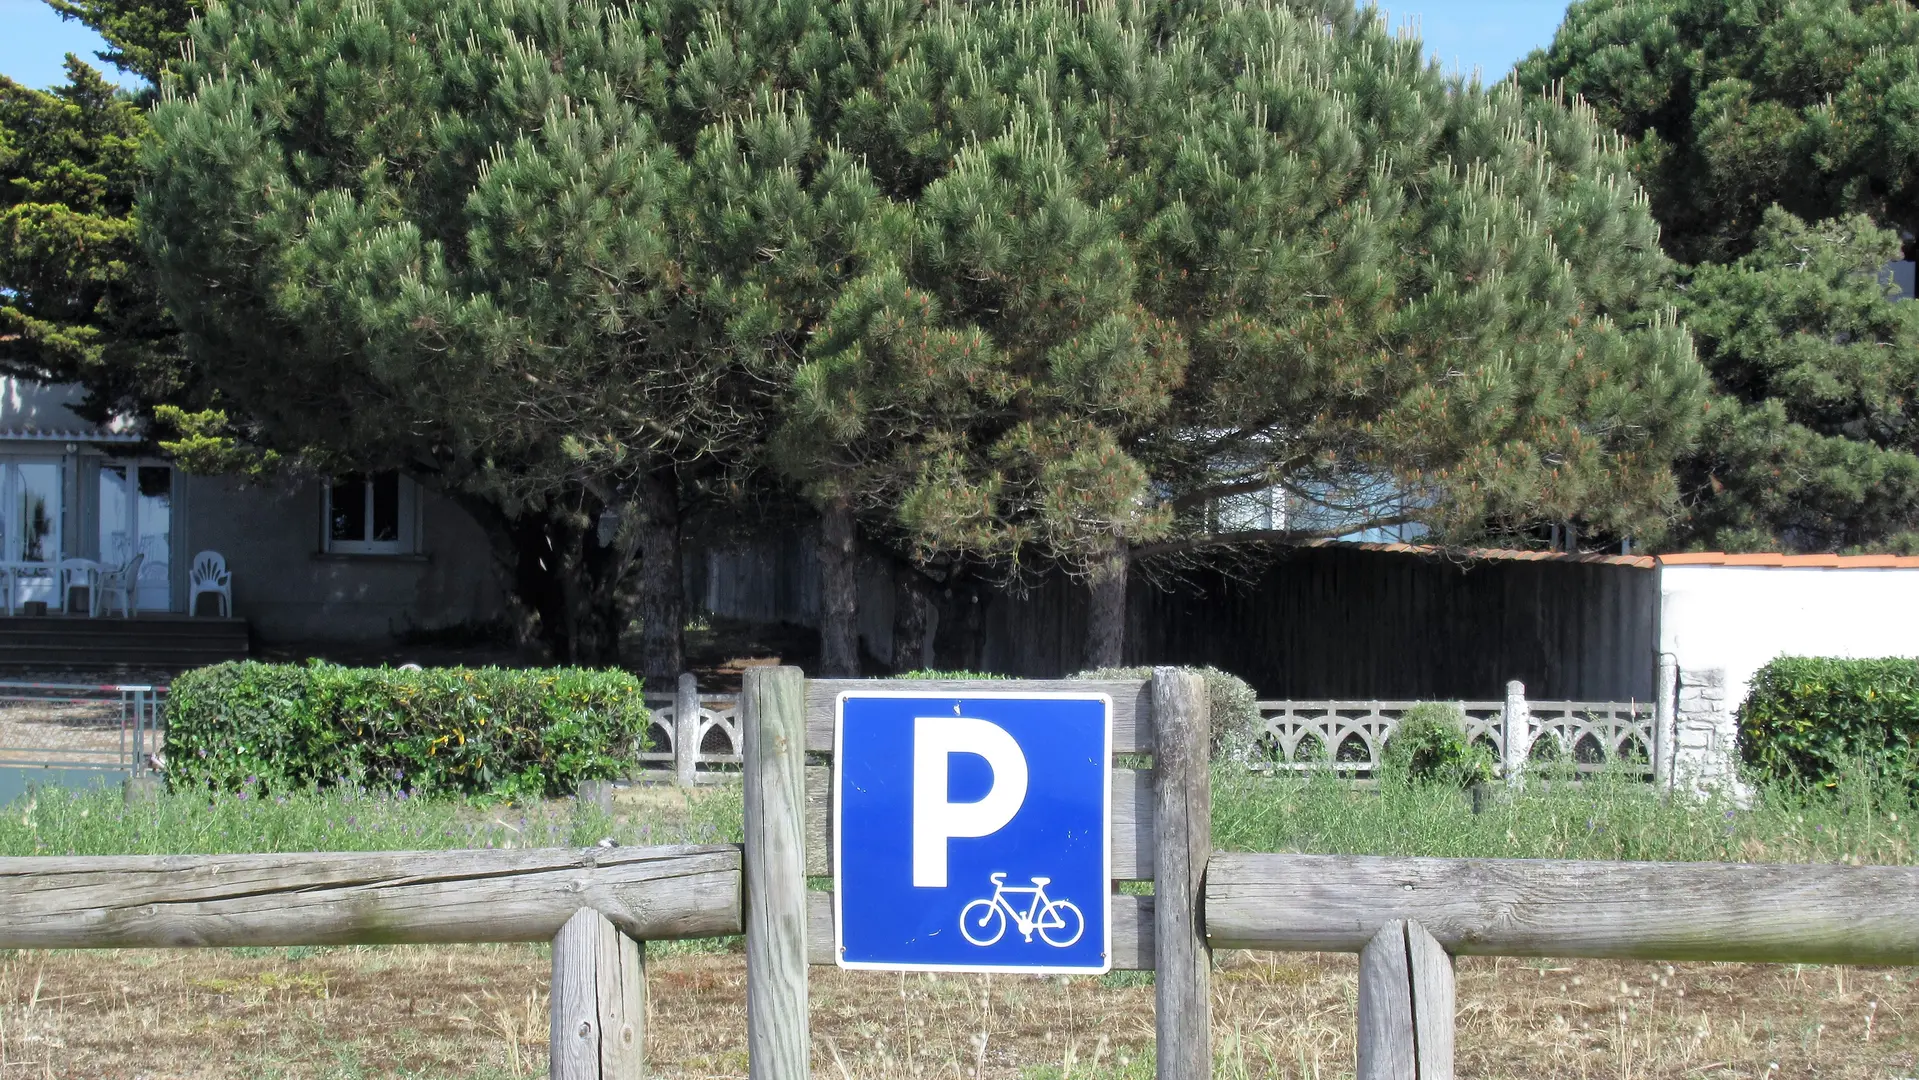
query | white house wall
[291, 593]
[1738, 618]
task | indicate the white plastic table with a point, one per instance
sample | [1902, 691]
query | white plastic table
[17, 570]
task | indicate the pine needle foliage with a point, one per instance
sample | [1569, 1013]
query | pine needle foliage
[1016, 281]
[1735, 106]
[1812, 444]
[77, 303]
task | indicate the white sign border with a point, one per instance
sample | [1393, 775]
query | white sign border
[1106, 831]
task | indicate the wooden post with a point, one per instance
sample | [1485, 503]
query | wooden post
[1516, 725]
[773, 713]
[686, 730]
[1405, 1006]
[598, 1002]
[1183, 841]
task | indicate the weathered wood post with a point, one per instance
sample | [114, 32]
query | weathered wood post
[1405, 1006]
[773, 713]
[1516, 726]
[598, 1002]
[686, 730]
[1183, 841]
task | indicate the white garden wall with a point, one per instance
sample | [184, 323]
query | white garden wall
[1722, 618]
[1737, 618]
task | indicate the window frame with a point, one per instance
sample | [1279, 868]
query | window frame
[406, 530]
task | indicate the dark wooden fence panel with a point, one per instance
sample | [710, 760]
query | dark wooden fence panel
[1303, 623]
[1341, 623]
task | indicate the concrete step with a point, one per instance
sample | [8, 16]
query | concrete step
[174, 642]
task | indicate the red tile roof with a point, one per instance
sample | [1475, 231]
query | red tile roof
[1639, 562]
[1832, 562]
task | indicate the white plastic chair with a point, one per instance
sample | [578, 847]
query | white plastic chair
[210, 575]
[121, 584]
[79, 572]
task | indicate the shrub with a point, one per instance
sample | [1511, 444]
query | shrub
[486, 731]
[1236, 722]
[1429, 746]
[1811, 719]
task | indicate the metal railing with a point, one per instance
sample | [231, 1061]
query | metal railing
[77, 734]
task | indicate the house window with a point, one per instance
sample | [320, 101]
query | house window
[370, 514]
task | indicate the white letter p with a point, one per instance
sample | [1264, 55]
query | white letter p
[935, 820]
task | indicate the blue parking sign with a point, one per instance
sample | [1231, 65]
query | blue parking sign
[971, 831]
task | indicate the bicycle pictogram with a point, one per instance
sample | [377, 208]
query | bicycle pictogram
[1058, 922]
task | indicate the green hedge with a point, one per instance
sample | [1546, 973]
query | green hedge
[1430, 745]
[487, 731]
[1235, 707]
[1235, 712]
[1810, 719]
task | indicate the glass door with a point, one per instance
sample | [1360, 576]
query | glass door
[136, 518]
[34, 501]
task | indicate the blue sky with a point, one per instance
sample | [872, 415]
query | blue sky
[34, 42]
[1490, 35]
[1485, 34]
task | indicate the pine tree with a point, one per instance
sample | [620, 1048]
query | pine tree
[437, 238]
[142, 36]
[1737, 105]
[1749, 120]
[997, 285]
[1813, 445]
[1178, 259]
[76, 302]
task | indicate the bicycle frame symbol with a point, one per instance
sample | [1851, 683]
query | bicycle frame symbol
[1058, 922]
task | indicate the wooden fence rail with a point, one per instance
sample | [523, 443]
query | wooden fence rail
[1776, 913]
[363, 898]
[595, 905]
[1408, 917]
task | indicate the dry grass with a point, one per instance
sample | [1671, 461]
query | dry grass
[479, 1012]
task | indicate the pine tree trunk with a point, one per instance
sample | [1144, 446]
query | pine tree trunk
[539, 563]
[912, 620]
[662, 600]
[592, 569]
[1106, 614]
[958, 640]
[839, 591]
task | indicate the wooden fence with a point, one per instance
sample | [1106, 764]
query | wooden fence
[1407, 918]
[594, 905]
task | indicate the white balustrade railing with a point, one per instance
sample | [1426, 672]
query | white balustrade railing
[1299, 736]
[1349, 736]
[718, 741]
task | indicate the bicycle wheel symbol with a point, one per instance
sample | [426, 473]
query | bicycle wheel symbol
[982, 922]
[1065, 926]
[1058, 923]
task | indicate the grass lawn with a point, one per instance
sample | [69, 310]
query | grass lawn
[479, 1012]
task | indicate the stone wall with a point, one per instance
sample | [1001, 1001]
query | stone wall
[1705, 731]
